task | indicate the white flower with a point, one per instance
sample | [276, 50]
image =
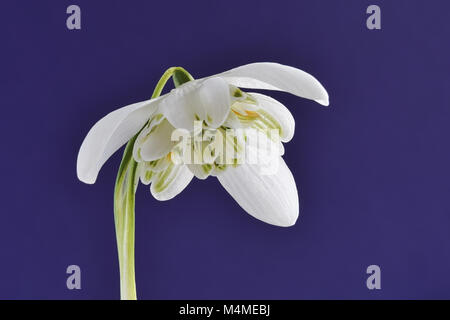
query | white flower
[219, 104]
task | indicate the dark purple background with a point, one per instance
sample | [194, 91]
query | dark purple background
[373, 170]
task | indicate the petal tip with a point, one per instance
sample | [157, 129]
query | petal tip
[289, 223]
[161, 198]
[323, 98]
[324, 102]
[287, 220]
[85, 178]
[83, 174]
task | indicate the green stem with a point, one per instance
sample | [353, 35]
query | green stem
[124, 198]
[180, 76]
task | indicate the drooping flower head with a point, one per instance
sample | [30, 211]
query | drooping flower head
[215, 103]
[205, 127]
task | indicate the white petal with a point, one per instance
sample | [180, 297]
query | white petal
[160, 164]
[207, 99]
[232, 121]
[180, 106]
[216, 101]
[154, 142]
[202, 155]
[200, 171]
[154, 120]
[145, 172]
[170, 182]
[281, 147]
[108, 135]
[274, 76]
[262, 150]
[270, 198]
[281, 114]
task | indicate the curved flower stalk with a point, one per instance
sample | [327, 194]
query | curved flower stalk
[204, 127]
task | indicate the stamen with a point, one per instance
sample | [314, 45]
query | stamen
[237, 113]
[253, 114]
[249, 114]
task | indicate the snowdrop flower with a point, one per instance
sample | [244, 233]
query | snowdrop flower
[212, 104]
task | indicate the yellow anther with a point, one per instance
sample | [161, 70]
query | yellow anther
[249, 114]
[252, 114]
[237, 113]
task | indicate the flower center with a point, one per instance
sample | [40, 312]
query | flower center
[248, 131]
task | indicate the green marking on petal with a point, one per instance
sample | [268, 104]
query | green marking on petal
[157, 117]
[148, 176]
[220, 167]
[271, 121]
[265, 123]
[207, 168]
[237, 93]
[165, 178]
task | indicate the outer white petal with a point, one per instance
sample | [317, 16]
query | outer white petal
[281, 147]
[170, 182]
[262, 150]
[274, 76]
[108, 135]
[279, 112]
[216, 101]
[206, 99]
[270, 198]
[181, 106]
[157, 143]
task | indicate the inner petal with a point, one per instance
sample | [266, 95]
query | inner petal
[154, 141]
